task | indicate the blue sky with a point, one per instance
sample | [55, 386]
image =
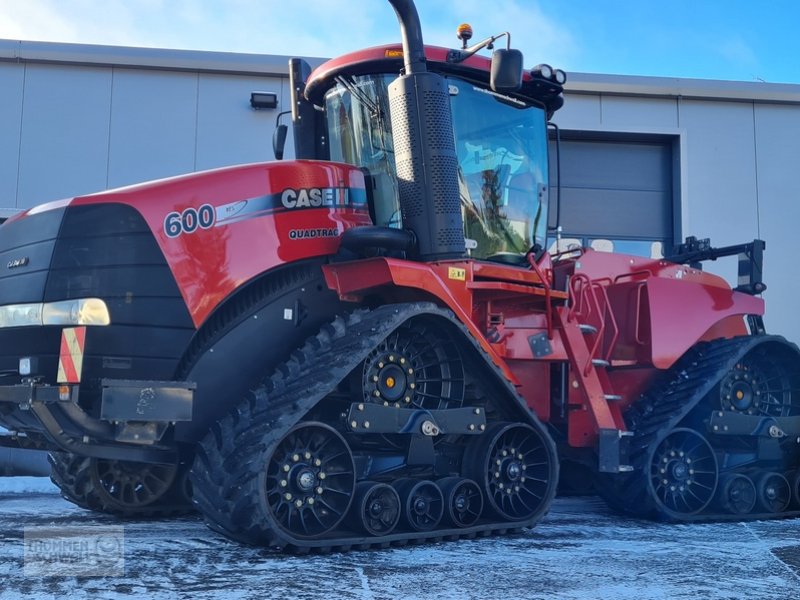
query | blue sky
[740, 40]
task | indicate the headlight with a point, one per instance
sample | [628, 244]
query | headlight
[20, 315]
[82, 311]
[543, 70]
[87, 311]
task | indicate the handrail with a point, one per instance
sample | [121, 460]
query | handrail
[636, 333]
[591, 298]
[547, 295]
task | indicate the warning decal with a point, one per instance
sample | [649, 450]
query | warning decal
[70, 360]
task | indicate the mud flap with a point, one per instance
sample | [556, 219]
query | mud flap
[613, 451]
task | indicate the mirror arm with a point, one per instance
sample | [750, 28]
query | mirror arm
[457, 56]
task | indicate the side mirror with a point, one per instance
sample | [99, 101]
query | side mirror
[506, 73]
[279, 140]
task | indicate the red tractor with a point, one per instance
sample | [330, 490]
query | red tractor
[370, 345]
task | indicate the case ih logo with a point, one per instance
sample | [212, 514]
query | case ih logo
[315, 197]
[191, 219]
[17, 262]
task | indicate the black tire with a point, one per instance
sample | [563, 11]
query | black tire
[122, 488]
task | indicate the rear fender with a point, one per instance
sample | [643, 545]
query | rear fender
[681, 313]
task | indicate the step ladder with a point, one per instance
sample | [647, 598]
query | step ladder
[590, 332]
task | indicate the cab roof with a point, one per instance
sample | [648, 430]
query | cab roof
[389, 59]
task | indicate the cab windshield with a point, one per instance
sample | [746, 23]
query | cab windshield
[501, 146]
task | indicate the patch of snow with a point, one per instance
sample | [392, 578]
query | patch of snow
[26, 485]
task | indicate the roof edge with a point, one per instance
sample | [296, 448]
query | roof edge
[148, 58]
[678, 87]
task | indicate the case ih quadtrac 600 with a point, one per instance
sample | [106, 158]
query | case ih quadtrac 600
[369, 345]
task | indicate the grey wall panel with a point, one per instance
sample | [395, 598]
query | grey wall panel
[579, 112]
[153, 125]
[720, 201]
[778, 153]
[11, 80]
[64, 150]
[622, 113]
[721, 170]
[229, 131]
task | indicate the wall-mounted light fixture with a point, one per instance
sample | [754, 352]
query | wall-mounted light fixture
[262, 100]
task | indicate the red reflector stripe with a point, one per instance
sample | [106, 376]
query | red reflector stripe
[70, 360]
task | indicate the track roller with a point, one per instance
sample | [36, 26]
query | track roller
[737, 494]
[376, 508]
[773, 493]
[796, 489]
[463, 501]
[422, 503]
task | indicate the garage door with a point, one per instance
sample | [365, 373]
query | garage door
[616, 194]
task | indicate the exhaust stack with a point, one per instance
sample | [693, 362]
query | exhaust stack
[425, 153]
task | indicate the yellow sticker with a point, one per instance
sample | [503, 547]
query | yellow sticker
[455, 273]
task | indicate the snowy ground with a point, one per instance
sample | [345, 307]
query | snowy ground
[579, 551]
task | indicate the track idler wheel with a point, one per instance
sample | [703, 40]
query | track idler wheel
[122, 488]
[773, 493]
[683, 473]
[376, 508]
[310, 480]
[513, 466]
[737, 494]
[463, 501]
[422, 503]
[130, 485]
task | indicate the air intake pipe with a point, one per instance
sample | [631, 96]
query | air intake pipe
[425, 153]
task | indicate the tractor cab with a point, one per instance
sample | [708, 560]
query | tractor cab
[500, 141]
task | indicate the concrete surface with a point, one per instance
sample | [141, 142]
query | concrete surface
[581, 550]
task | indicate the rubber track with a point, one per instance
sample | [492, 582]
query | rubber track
[72, 475]
[228, 462]
[661, 409]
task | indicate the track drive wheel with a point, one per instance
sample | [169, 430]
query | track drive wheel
[515, 466]
[763, 383]
[683, 474]
[121, 488]
[416, 366]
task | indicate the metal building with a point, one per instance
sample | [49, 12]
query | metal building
[645, 161]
